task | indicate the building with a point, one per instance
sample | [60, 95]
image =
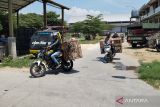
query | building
[118, 26]
[150, 12]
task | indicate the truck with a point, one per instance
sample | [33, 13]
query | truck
[137, 35]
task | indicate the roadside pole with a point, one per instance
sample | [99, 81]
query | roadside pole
[11, 38]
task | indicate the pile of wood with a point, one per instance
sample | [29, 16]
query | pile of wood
[152, 40]
[116, 42]
[72, 49]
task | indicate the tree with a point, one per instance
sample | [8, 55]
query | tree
[31, 20]
[77, 27]
[53, 19]
[92, 26]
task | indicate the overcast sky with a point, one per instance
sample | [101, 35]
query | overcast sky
[112, 10]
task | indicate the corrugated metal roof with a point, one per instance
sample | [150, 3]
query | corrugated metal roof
[17, 4]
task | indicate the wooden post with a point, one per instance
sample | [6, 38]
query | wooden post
[44, 14]
[11, 34]
[17, 19]
[62, 24]
[62, 17]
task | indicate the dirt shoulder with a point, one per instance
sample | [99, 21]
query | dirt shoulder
[14, 69]
[142, 54]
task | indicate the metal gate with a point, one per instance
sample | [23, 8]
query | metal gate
[23, 38]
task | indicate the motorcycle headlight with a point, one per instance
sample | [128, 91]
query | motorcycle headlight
[107, 49]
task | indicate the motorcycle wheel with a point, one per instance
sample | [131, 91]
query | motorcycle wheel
[67, 65]
[37, 71]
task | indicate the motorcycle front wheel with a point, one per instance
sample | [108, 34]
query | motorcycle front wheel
[37, 70]
[67, 65]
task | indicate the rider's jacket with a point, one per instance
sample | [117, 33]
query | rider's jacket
[56, 45]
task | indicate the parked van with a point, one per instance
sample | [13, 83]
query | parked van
[39, 41]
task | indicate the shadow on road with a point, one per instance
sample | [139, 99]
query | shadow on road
[61, 71]
[121, 66]
[101, 59]
[122, 77]
[56, 72]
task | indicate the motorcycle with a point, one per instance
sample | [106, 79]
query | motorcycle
[44, 63]
[110, 52]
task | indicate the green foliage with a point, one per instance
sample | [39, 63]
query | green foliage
[91, 26]
[1, 27]
[150, 72]
[53, 19]
[77, 27]
[4, 21]
[16, 63]
[31, 20]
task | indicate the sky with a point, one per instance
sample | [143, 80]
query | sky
[112, 10]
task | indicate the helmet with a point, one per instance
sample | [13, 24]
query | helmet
[55, 34]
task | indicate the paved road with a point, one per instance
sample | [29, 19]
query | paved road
[91, 84]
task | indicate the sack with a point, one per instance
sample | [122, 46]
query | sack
[72, 50]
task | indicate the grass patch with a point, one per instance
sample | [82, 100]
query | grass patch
[16, 63]
[150, 72]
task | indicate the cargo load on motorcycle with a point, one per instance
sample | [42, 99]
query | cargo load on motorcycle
[116, 42]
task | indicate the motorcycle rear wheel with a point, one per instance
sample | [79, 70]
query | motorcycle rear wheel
[37, 71]
[67, 65]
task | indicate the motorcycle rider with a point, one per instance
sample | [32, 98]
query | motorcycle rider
[115, 35]
[56, 47]
[108, 41]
